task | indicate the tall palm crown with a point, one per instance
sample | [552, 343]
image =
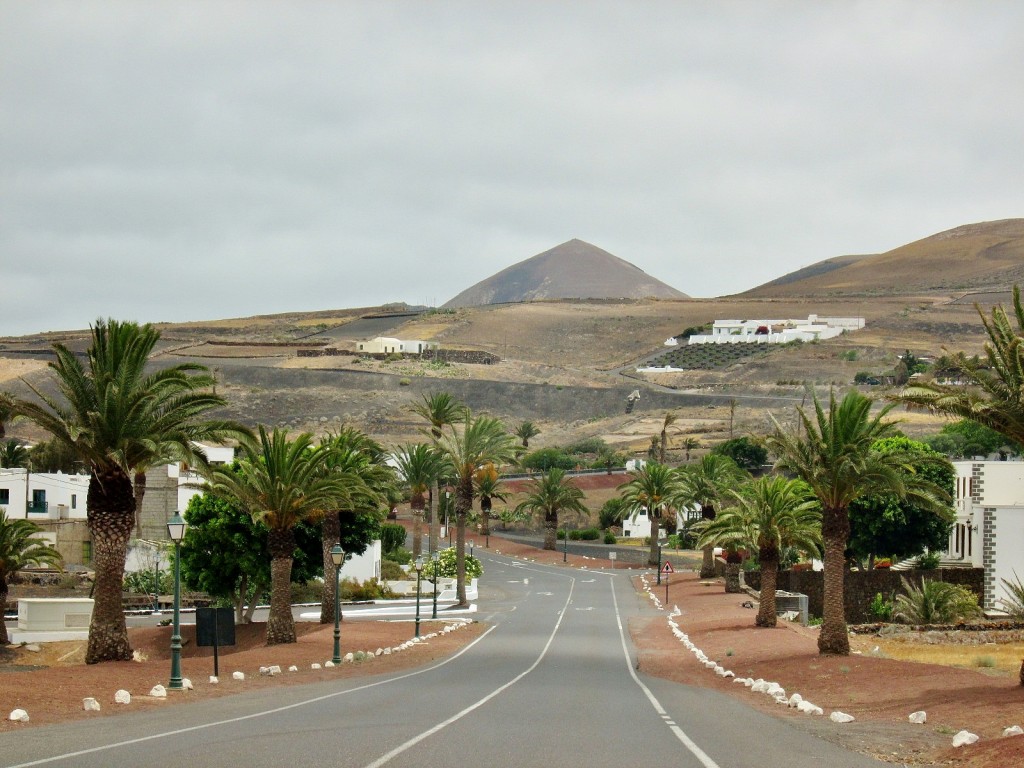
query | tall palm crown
[354, 455]
[994, 394]
[466, 447]
[439, 410]
[835, 456]
[550, 495]
[282, 482]
[771, 514]
[19, 548]
[13, 454]
[488, 486]
[118, 418]
[669, 420]
[419, 465]
[707, 484]
[526, 431]
[657, 489]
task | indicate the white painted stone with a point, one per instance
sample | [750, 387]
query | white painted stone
[349, 657]
[158, 692]
[759, 686]
[264, 671]
[1013, 730]
[90, 704]
[963, 738]
[33, 647]
[387, 651]
[275, 669]
[214, 680]
[795, 699]
[918, 718]
[186, 684]
[238, 675]
[328, 664]
[841, 717]
[122, 697]
[314, 665]
[18, 716]
[379, 652]
[743, 680]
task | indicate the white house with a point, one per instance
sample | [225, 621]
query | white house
[777, 331]
[989, 528]
[639, 525]
[386, 345]
[42, 496]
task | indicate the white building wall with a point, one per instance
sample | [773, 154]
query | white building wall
[64, 496]
[363, 567]
[12, 499]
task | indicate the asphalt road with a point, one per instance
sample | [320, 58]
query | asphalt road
[552, 682]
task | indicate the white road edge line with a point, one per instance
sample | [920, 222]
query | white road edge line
[251, 716]
[384, 759]
[679, 732]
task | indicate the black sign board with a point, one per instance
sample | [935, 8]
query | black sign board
[215, 626]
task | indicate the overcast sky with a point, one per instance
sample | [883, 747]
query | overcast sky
[200, 160]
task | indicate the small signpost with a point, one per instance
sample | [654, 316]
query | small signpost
[216, 627]
[667, 569]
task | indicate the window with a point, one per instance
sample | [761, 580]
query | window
[5, 496]
[74, 501]
[86, 552]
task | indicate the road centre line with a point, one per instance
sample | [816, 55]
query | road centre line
[253, 715]
[384, 759]
[680, 734]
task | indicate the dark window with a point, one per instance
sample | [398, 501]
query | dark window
[86, 552]
[5, 496]
[74, 501]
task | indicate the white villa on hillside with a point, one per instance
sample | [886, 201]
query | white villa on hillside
[386, 345]
[777, 331]
[989, 528]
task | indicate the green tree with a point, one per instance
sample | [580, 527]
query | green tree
[548, 496]
[706, 483]
[966, 438]
[439, 410]
[19, 548]
[690, 444]
[488, 486]
[656, 489]
[612, 512]
[13, 455]
[419, 467]
[525, 432]
[884, 524]
[748, 454]
[833, 452]
[54, 456]
[548, 458]
[476, 441]
[991, 395]
[281, 483]
[669, 420]
[116, 418]
[771, 514]
[225, 554]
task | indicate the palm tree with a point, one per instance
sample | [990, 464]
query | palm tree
[690, 444]
[19, 548]
[6, 412]
[440, 410]
[526, 431]
[467, 447]
[548, 495]
[771, 514]
[994, 393]
[13, 454]
[836, 457]
[358, 459]
[281, 482]
[657, 489]
[707, 484]
[488, 486]
[419, 466]
[116, 417]
[670, 419]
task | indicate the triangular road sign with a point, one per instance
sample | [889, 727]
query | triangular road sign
[667, 568]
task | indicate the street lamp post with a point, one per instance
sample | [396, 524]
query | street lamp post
[337, 557]
[435, 557]
[419, 575]
[176, 531]
[471, 542]
[565, 545]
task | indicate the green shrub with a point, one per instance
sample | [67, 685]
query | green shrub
[1013, 603]
[929, 561]
[142, 582]
[390, 570]
[611, 512]
[403, 382]
[392, 536]
[371, 589]
[936, 602]
[609, 538]
[310, 592]
[446, 566]
[548, 458]
[402, 556]
[881, 609]
[586, 445]
[585, 534]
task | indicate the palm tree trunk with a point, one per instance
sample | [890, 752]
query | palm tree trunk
[462, 507]
[330, 534]
[769, 573]
[140, 494]
[707, 566]
[4, 640]
[732, 576]
[551, 531]
[280, 623]
[833, 638]
[417, 532]
[433, 534]
[110, 517]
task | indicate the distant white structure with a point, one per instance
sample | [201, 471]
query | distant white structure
[386, 345]
[777, 331]
[42, 496]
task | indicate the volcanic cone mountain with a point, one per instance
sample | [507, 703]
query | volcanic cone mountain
[572, 270]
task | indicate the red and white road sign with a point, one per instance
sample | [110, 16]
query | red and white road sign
[667, 568]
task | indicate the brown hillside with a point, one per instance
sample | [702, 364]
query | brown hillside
[984, 255]
[572, 270]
